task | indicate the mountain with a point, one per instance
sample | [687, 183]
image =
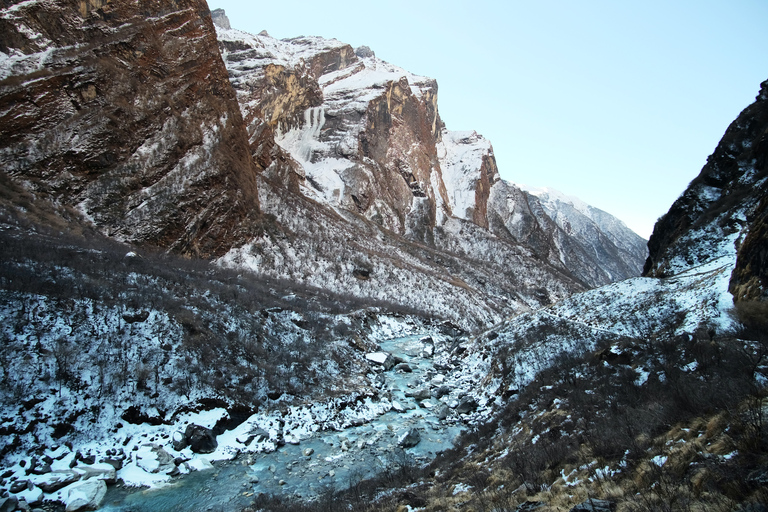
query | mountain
[271, 154]
[338, 131]
[210, 238]
[723, 205]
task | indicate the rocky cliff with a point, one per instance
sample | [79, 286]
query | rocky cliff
[302, 159]
[724, 205]
[360, 136]
[124, 111]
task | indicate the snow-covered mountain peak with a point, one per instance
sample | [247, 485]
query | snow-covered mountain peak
[551, 196]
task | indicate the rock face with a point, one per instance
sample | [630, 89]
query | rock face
[366, 183]
[724, 205]
[361, 132]
[124, 112]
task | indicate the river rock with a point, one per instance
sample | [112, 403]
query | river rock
[87, 495]
[441, 392]
[466, 405]
[153, 458]
[308, 452]
[442, 412]
[56, 480]
[397, 406]
[410, 439]
[200, 439]
[404, 367]
[382, 358]
[419, 394]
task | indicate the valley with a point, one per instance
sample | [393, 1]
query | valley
[242, 273]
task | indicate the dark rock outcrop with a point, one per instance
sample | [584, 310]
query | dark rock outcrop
[124, 112]
[200, 439]
[725, 204]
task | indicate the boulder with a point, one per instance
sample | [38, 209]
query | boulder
[441, 392]
[383, 359]
[178, 441]
[403, 367]
[103, 471]
[466, 405]
[153, 458]
[56, 480]
[419, 394]
[115, 462]
[410, 439]
[18, 486]
[8, 504]
[442, 412]
[200, 439]
[87, 495]
[595, 506]
[32, 495]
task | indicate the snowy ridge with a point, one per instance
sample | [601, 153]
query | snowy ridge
[550, 197]
[264, 49]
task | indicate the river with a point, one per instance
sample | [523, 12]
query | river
[326, 460]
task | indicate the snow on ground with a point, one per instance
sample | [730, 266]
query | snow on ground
[640, 308]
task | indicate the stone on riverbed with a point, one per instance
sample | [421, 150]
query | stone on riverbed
[419, 394]
[410, 439]
[382, 358]
[87, 495]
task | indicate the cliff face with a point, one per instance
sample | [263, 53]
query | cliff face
[124, 111]
[359, 135]
[723, 208]
[361, 132]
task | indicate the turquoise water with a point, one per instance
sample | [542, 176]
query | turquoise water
[338, 459]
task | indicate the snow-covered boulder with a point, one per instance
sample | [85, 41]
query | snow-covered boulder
[55, 480]
[383, 359]
[154, 459]
[102, 471]
[87, 495]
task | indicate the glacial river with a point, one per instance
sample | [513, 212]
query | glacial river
[327, 460]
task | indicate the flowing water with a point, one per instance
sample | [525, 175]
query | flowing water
[326, 460]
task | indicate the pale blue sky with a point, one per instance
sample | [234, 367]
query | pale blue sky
[618, 103]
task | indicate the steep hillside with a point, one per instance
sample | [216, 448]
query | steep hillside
[345, 137]
[125, 113]
[726, 198]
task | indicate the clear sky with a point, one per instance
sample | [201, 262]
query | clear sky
[616, 102]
